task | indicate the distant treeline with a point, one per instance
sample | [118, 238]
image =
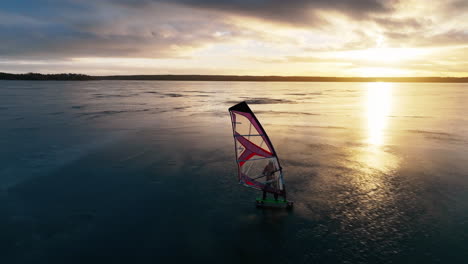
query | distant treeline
[83, 77]
[46, 77]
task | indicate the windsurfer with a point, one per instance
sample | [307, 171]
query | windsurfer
[269, 172]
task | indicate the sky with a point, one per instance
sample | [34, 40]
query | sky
[363, 38]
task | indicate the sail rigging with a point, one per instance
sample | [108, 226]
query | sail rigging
[257, 163]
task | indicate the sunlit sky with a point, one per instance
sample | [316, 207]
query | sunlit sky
[240, 37]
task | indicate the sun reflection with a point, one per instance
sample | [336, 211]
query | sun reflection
[379, 95]
[373, 162]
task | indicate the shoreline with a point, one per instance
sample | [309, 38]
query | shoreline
[235, 78]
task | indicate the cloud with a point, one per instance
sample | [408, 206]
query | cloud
[402, 24]
[297, 12]
[447, 38]
[163, 28]
[110, 30]
[227, 35]
[417, 24]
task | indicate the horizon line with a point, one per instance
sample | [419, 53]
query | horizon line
[224, 77]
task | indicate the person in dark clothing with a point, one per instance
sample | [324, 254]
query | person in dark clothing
[269, 173]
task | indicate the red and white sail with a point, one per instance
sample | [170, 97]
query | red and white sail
[257, 162]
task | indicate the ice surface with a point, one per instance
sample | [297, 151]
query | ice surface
[144, 172]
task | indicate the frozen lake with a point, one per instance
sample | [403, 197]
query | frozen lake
[144, 172]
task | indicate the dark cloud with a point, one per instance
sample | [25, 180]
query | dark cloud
[402, 24]
[105, 30]
[455, 8]
[300, 12]
[450, 37]
[50, 44]
[426, 38]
